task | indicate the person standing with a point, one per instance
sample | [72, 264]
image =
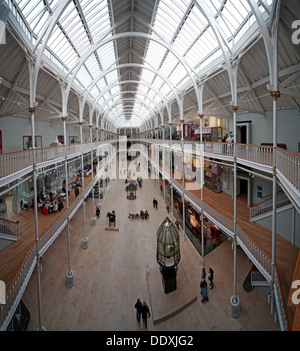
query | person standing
[97, 211]
[145, 313]
[138, 306]
[211, 277]
[203, 274]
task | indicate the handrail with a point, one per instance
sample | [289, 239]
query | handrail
[267, 205]
[17, 286]
[258, 256]
[287, 162]
[13, 162]
[281, 307]
[244, 239]
[9, 228]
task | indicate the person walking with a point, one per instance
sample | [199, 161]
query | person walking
[97, 211]
[203, 274]
[145, 313]
[203, 290]
[211, 277]
[138, 306]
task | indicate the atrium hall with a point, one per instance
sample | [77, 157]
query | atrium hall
[107, 105]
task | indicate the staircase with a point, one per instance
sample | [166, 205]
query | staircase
[254, 279]
[21, 318]
[9, 232]
[265, 209]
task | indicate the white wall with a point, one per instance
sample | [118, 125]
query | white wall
[14, 128]
[284, 225]
[288, 125]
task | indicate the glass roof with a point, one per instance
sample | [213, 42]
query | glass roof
[184, 44]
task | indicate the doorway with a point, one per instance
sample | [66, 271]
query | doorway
[243, 189]
[242, 133]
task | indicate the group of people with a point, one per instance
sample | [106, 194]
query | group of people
[228, 139]
[142, 214]
[203, 283]
[142, 310]
[49, 202]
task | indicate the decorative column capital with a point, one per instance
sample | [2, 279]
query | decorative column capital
[275, 94]
[80, 123]
[31, 110]
[235, 108]
[64, 119]
[91, 125]
[200, 115]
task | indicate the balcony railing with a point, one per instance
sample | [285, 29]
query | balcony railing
[287, 163]
[13, 162]
[9, 230]
[266, 206]
[257, 255]
[22, 277]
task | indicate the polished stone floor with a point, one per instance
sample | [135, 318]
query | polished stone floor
[112, 273]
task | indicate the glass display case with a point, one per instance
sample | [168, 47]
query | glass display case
[213, 176]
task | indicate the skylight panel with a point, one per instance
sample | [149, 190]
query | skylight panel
[34, 13]
[94, 92]
[69, 14]
[155, 54]
[169, 64]
[101, 84]
[178, 74]
[41, 23]
[147, 75]
[114, 90]
[158, 82]
[83, 76]
[106, 54]
[97, 16]
[165, 90]
[92, 65]
[213, 5]
[53, 4]
[112, 77]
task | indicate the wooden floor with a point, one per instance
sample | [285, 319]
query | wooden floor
[286, 254]
[12, 257]
[111, 274]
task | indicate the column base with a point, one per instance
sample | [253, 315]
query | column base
[235, 306]
[42, 329]
[93, 220]
[84, 243]
[70, 279]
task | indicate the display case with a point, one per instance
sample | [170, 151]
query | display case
[213, 176]
[27, 142]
